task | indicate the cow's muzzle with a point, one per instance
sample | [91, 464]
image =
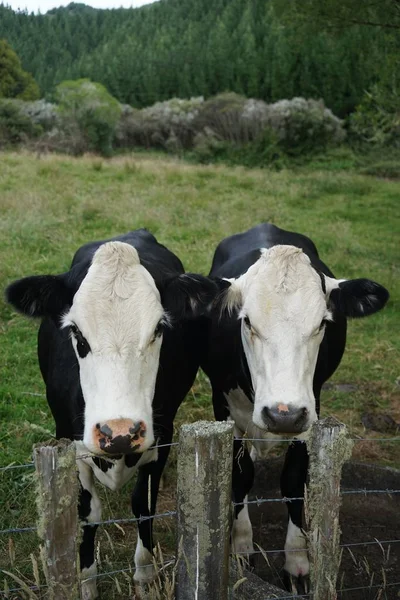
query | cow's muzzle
[284, 418]
[120, 436]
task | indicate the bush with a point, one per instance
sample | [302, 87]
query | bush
[304, 125]
[90, 108]
[221, 118]
[377, 119]
[41, 113]
[167, 125]
[15, 126]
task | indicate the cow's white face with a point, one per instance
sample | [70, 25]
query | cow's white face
[283, 306]
[116, 322]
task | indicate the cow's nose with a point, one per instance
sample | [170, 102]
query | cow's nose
[284, 418]
[120, 436]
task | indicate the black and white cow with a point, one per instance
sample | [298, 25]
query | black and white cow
[277, 334]
[119, 347]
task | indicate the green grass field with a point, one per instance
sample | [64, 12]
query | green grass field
[50, 206]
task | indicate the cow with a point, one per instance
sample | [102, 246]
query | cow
[119, 347]
[276, 334]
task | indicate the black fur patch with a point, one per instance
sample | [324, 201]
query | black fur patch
[359, 297]
[103, 464]
[188, 296]
[84, 504]
[40, 295]
[132, 459]
[323, 282]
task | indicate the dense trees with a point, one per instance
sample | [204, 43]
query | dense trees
[14, 81]
[201, 47]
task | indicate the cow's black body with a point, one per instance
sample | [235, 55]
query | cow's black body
[225, 361]
[179, 361]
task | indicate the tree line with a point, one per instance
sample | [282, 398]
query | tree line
[186, 48]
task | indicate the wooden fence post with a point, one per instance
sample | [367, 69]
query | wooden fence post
[329, 447]
[58, 525]
[204, 507]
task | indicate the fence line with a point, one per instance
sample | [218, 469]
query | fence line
[243, 439]
[257, 501]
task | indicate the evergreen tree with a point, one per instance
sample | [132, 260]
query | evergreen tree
[14, 81]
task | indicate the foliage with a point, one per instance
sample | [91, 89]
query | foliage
[40, 113]
[88, 107]
[167, 125]
[343, 13]
[377, 118]
[304, 125]
[15, 126]
[200, 48]
[14, 81]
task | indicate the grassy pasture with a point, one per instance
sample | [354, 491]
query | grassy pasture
[49, 207]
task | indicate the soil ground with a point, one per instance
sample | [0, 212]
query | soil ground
[364, 518]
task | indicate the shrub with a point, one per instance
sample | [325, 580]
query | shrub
[168, 125]
[92, 109]
[220, 118]
[41, 113]
[15, 126]
[377, 119]
[304, 125]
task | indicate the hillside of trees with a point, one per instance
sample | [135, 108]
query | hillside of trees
[186, 48]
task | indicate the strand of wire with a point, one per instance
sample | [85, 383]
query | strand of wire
[285, 499]
[290, 440]
[341, 591]
[168, 563]
[352, 545]
[82, 456]
[170, 513]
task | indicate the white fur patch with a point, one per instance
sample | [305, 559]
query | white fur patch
[117, 309]
[144, 563]
[282, 299]
[242, 532]
[296, 562]
[89, 583]
[116, 476]
[241, 412]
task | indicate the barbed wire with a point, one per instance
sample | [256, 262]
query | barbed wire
[341, 591]
[351, 545]
[17, 530]
[170, 561]
[245, 439]
[169, 513]
[286, 499]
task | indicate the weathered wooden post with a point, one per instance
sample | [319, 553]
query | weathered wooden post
[329, 447]
[204, 507]
[58, 525]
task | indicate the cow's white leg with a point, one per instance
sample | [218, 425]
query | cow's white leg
[90, 512]
[89, 583]
[144, 563]
[242, 532]
[296, 558]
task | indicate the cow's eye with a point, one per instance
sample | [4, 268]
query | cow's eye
[247, 322]
[82, 345]
[323, 323]
[158, 330]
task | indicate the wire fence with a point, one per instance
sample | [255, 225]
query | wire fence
[256, 501]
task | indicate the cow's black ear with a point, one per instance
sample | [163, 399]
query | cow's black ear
[359, 297]
[188, 296]
[40, 295]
